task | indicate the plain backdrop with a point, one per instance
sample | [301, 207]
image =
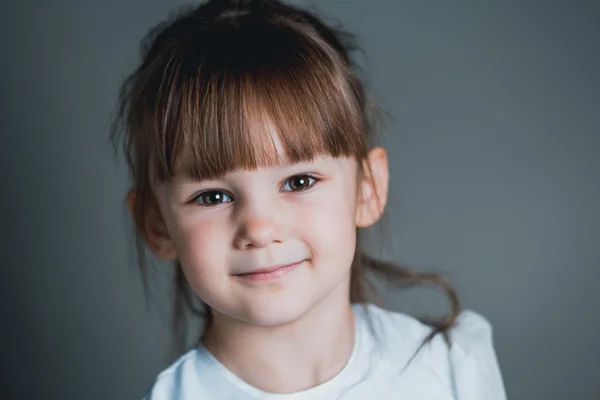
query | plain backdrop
[495, 166]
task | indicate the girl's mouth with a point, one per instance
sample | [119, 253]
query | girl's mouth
[269, 273]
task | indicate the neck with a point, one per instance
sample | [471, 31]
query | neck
[291, 357]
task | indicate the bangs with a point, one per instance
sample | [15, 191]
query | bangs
[223, 99]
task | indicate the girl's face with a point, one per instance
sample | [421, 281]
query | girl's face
[233, 233]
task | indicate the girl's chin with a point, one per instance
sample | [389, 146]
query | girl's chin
[275, 313]
[269, 313]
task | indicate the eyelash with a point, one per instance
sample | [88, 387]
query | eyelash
[312, 180]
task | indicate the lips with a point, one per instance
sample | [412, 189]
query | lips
[266, 270]
[269, 273]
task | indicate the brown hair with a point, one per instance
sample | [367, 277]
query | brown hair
[214, 80]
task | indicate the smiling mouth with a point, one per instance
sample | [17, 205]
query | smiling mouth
[270, 273]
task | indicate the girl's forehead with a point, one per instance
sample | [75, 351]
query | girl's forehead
[280, 150]
[253, 132]
[261, 146]
[319, 161]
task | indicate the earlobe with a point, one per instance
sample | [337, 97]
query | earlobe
[153, 229]
[372, 195]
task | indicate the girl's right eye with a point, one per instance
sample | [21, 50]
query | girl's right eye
[212, 198]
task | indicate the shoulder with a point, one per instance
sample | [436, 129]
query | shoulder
[178, 380]
[474, 366]
[467, 367]
[468, 322]
[471, 332]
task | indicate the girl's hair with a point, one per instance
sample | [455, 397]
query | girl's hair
[214, 84]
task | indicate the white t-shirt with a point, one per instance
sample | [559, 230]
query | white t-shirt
[384, 343]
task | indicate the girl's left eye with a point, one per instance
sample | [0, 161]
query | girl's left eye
[298, 183]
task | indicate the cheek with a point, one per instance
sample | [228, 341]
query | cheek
[328, 226]
[202, 248]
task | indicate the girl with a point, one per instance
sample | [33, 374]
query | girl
[249, 140]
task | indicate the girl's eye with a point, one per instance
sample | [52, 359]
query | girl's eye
[298, 183]
[212, 198]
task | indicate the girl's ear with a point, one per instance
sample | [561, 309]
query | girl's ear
[373, 188]
[155, 231]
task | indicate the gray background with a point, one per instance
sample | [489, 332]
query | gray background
[495, 182]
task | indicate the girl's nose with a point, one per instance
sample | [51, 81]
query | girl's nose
[259, 226]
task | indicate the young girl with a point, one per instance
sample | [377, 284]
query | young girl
[249, 139]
